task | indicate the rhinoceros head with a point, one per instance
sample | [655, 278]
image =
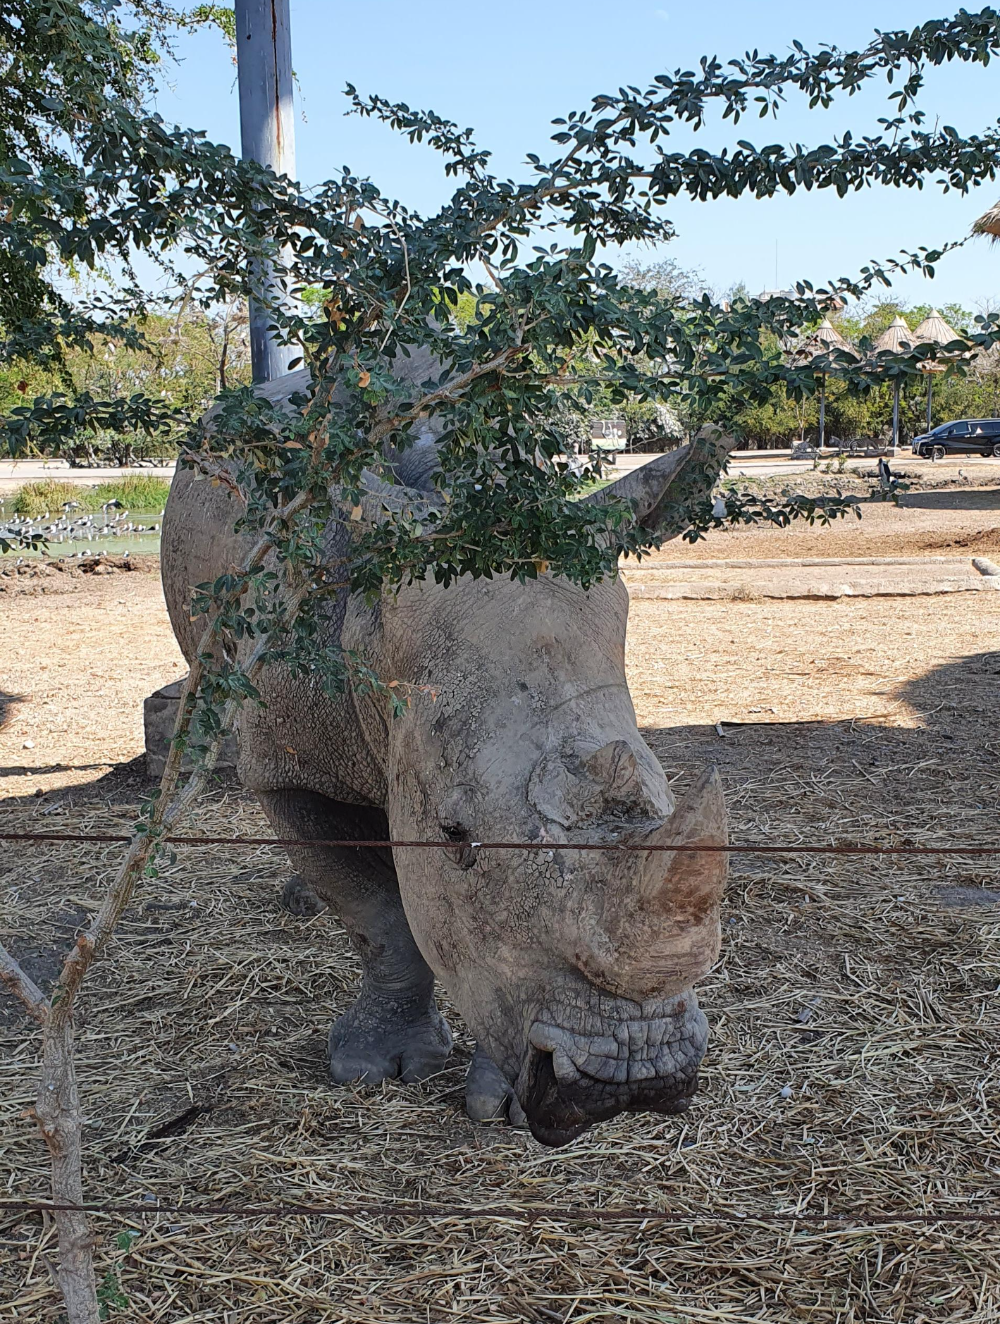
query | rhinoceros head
[573, 967]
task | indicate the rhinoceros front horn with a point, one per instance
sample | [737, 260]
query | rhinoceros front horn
[670, 936]
[683, 883]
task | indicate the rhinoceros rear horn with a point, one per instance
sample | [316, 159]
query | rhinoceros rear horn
[663, 492]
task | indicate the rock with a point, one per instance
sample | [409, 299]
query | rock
[28, 744]
[958, 898]
[159, 713]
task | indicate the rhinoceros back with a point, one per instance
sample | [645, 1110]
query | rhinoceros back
[298, 737]
[198, 542]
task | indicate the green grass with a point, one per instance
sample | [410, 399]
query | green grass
[592, 485]
[135, 492]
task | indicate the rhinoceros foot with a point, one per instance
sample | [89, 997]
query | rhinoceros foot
[488, 1097]
[382, 1039]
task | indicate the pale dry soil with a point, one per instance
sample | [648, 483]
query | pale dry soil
[75, 666]
[854, 1018]
[949, 522]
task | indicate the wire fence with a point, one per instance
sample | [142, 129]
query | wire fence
[505, 1213]
[735, 848]
[501, 1213]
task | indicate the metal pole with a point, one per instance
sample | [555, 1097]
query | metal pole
[822, 410]
[895, 415]
[930, 388]
[267, 130]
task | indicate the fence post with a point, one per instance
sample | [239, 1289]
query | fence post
[267, 131]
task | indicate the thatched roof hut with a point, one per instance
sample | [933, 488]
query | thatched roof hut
[989, 223]
[814, 345]
[934, 330]
[895, 339]
[822, 340]
[826, 337]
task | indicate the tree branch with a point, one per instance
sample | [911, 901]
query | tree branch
[22, 986]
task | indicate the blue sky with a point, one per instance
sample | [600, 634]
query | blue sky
[508, 69]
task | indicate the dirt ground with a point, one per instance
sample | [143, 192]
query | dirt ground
[854, 1020]
[944, 522]
[76, 665]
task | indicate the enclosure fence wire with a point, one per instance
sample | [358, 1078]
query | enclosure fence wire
[529, 1214]
[736, 848]
[504, 1213]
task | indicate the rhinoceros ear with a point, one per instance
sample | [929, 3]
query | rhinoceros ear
[663, 492]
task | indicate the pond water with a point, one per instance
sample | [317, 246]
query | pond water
[137, 534]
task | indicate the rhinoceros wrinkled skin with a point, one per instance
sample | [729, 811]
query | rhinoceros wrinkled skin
[573, 968]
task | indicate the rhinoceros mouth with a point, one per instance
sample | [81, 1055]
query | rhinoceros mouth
[572, 1078]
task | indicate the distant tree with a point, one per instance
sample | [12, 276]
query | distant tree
[664, 277]
[855, 415]
[871, 317]
[181, 357]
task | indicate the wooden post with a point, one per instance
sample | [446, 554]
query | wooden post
[267, 130]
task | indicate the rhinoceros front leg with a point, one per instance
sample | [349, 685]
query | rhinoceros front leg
[394, 1028]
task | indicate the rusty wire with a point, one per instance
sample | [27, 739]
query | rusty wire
[529, 1214]
[736, 848]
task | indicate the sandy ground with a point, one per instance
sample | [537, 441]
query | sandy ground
[75, 668]
[77, 663]
[853, 1061]
[945, 522]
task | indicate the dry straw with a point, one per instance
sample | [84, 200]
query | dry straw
[852, 1064]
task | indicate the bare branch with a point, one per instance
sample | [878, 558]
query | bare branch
[22, 986]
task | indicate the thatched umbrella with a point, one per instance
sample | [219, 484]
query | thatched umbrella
[825, 338]
[989, 223]
[895, 339]
[933, 330]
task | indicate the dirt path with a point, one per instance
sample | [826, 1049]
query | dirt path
[946, 522]
[77, 665]
[74, 670]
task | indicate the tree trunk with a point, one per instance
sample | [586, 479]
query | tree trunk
[58, 1113]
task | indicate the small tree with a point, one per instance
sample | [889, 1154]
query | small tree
[89, 176]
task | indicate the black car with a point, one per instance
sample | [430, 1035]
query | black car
[968, 436]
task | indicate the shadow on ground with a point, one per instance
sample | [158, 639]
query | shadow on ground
[976, 498]
[936, 782]
[123, 784]
[955, 705]
[23, 770]
[8, 704]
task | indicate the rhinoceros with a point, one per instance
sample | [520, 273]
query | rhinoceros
[573, 968]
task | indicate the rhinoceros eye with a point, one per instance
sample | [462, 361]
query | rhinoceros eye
[464, 854]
